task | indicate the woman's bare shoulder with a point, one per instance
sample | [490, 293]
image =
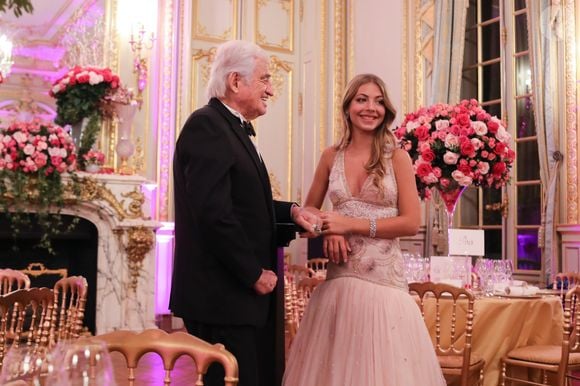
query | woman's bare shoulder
[328, 155]
[400, 155]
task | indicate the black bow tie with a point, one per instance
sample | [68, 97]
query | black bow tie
[249, 128]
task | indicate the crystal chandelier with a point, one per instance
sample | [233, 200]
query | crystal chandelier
[5, 55]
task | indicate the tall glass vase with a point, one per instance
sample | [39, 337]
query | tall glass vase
[125, 147]
[450, 197]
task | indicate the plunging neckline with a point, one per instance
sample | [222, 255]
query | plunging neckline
[345, 179]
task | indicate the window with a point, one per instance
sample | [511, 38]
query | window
[496, 71]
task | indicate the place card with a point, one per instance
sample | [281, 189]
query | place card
[466, 242]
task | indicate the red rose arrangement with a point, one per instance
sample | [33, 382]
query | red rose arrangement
[84, 93]
[456, 146]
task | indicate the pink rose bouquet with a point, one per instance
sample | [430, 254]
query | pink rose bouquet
[95, 157]
[81, 93]
[33, 157]
[454, 146]
[36, 148]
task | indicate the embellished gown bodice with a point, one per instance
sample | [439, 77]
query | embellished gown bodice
[372, 259]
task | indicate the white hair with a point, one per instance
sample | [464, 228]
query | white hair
[233, 56]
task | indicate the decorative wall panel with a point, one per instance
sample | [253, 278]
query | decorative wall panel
[215, 21]
[275, 24]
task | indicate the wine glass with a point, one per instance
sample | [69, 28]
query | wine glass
[25, 365]
[83, 362]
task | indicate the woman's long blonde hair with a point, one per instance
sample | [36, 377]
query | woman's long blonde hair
[383, 136]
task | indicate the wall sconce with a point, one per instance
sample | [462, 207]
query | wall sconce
[139, 44]
[6, 61]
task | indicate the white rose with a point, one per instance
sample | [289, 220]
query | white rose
[28, 149]
[450, 158]
[441, 124]
[19, 136]
[451, 141]
[54, 151]
[412, 125]
[479, 127]
[502, 134]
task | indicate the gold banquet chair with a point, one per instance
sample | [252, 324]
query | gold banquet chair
[566, 280]
[170, 346]
[25, 318]
[318, 265]
[11, 280]
[70, 296]
[452, 337]
[560, 360]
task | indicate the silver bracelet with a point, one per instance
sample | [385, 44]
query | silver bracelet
[372, 228]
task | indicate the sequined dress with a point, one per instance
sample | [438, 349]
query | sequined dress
[361, 326]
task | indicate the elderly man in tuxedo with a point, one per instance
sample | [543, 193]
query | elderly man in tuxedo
[225, 236]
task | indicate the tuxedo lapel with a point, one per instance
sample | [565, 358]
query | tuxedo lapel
[240, 132]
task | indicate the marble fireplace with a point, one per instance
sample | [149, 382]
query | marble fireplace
[118, 206]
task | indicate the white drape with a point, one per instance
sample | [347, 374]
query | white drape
[449, 40]
[545, 42]
[447, 62]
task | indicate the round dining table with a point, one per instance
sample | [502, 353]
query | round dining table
[502, 323]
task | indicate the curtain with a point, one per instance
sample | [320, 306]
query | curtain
[447, 63]
[545, 26]
[449, 40]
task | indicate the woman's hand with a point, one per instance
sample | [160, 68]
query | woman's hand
[336, 248]
[335, 224]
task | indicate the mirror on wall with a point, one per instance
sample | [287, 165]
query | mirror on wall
[59, 34]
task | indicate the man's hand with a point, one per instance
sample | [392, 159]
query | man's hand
[266, 282]
[308, 220]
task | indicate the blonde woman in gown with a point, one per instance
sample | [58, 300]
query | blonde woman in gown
[361, 327]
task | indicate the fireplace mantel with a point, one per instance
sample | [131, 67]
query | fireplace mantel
[119, 207]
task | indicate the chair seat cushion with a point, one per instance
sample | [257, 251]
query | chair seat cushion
[456, 361]
[542, 354]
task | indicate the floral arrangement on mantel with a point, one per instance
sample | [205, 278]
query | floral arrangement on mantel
[33, 157]
[456, 146]
[84, 92]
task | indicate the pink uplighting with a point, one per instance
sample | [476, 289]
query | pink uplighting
[164, 267]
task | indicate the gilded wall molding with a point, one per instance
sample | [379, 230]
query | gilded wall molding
[91, 190]
[405, 58]
[200, 32]
[286, 44]
[276, 67]
[323, 87]
[165, 131]
[339, 73]
[276, 188]
[203, 68]
[419, 78]
[571, 115]
[137, 242]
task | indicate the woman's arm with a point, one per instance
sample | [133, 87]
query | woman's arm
[319, 186]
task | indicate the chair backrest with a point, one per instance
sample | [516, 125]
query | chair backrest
[318, 265]
[170, 347]
[571, 335]
[11, 280]
[453, 329]
[70, 296]
[566, 280]
[25, 318]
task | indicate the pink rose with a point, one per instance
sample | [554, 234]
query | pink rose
[450, 158]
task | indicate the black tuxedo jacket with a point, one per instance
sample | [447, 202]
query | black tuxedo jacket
[224, 221]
